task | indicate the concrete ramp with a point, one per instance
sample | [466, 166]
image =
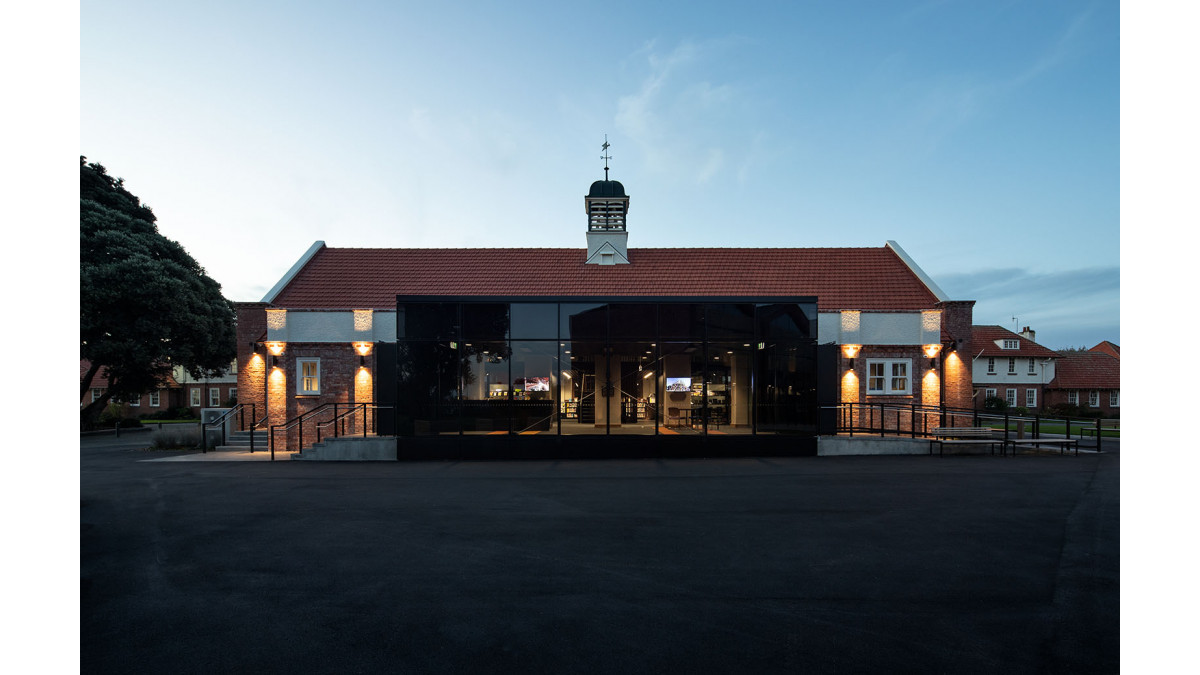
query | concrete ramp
[832, 446]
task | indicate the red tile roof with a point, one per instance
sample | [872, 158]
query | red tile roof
[983, 338]
[1107, 347]
[841, 278]
[1086, 370]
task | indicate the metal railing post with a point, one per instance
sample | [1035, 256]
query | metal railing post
[1099, 429]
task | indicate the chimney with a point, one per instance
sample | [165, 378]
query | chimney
[1028, 334]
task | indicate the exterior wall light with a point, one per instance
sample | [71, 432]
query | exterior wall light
[276, 348]
[363, 348]
[851, 351]
[931, 352]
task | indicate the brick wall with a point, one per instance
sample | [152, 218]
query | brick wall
[251, 378]
[957, 317]
[1059, 396]
[275, 381]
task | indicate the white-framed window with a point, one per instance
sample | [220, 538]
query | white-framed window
[308, 376]
[889, 376]
[195, 397]
[96, 394]
[989, 393]
[214, 397]
[1010, 397]
[1114, 398]
[155, 399]
[991, 365]
[1011, 344]
[1031, 398]
[136, 401]
[1032, 366]
[1012, 365]
[1073, 397]
[233, 393]
[1093, 399]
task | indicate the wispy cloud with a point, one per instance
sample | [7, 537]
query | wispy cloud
[935, 107]
[680, 119]
[1067, 308]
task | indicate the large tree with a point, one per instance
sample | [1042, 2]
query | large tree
[145, 304]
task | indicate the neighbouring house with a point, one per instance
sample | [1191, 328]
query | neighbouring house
[651, 344]
[1107, 347]
[1089, 380]
[1010, 366]
[178, 390]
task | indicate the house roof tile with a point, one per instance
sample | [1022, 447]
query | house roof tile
[841, 278]
[984, 339]
[1086, 370]
[1107, 347]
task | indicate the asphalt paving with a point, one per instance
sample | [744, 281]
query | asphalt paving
[904, 564]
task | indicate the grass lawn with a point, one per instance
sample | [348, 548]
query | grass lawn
[1060, 427]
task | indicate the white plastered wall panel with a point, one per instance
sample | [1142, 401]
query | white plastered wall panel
[347, 326]
[891, 329]
[876, 328]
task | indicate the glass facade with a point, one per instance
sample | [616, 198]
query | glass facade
[662, 367]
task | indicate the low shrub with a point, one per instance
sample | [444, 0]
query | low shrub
[129, 423]
[995, 403]
[113, 413]
[175, 438]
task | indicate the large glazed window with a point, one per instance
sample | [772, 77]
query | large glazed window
[583, 321]
[486, 387]
[626, 367]
[427, 397]
[428, 321]
[533, 320]
[484, 321]
[535, 381]
[785, 389]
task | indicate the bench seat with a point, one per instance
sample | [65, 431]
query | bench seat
[1034, 443]
[962, 432]
[963, 436]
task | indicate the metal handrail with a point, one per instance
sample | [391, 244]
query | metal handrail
[342, 417]
[302, 417]
[918, 420]
[238, 408]
[548, 418]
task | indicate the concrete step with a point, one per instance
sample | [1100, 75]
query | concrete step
[350, 449]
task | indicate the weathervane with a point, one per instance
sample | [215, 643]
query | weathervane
[605, 156]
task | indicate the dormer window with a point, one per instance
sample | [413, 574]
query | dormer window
[1011, 344]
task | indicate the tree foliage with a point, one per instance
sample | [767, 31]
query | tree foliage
[145, 304]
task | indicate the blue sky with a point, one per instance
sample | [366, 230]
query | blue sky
[983, 137]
